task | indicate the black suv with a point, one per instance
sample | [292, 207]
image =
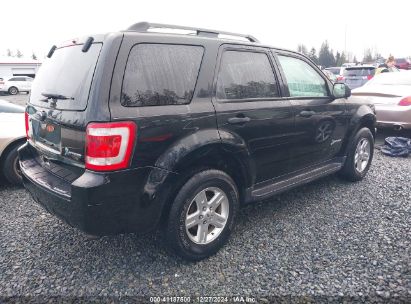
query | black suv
[140, 129]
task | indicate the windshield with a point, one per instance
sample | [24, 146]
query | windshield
[68, 73]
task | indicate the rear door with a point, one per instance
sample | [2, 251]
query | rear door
[320, 121]
[250, 107]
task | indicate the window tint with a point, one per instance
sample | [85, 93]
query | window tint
[160, 74]
[302, 79]
[13, 79]
[245, 75]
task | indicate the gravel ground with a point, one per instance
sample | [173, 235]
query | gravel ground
[327, 239]
[19, 99]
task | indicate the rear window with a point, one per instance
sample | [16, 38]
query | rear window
[359, 72]
[68, 72]
[400, 60]
[161, 74]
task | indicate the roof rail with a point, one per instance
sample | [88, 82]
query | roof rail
[145, 26]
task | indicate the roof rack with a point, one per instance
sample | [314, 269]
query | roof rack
[145, 26]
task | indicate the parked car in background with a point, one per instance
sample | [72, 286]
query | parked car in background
[144, 130]
[391, 95]
[12, 136]
[337, 71]
[357, 76]
[330, 75]
[403, 63]
[14, 85]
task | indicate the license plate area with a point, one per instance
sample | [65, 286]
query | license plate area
[47, 134]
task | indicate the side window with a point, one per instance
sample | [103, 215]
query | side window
[245, 75]
[12, 79]
[160, 74]
[302, 79]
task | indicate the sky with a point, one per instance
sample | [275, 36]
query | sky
[354, 25]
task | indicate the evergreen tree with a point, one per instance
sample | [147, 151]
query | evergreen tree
[338, 59]
[19, 54]
[313, 55]
[9, 54]
[301, 48]
[367, 56]
[325, 57]
[33, 56]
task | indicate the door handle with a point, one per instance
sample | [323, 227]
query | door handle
[307, 113]
[238, 120]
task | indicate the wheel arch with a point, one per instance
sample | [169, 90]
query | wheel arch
[364, 117]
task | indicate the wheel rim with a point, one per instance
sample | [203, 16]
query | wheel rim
[16, 167]
[13, 91]
[207, 215]
[362, 155]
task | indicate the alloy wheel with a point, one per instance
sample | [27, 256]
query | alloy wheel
[362, 155]
[207, 215]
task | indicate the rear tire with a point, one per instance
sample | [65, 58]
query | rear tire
[13, 91]
[202, 215]
[359, 157]
[11, 166]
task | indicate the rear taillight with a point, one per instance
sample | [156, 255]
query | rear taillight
[405, 101]
[369, 77]
[26, 121]
[1, 82]
[340, 78]
[109, 146]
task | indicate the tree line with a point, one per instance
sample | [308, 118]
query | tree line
[326, 58]
[18, 54]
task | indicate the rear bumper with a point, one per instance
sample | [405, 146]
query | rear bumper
[96, 203]
[393, 116]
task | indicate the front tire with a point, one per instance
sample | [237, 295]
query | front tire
[11, 166]
[13, 91]
[202, 215]
[359, 158]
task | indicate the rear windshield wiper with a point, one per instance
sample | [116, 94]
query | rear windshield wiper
[55, 97]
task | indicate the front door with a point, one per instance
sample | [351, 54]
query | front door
[320, 121]
[250, 108]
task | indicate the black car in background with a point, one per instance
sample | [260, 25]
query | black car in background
[146, 129]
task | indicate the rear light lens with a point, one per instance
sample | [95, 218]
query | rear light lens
[340, 78]
[405, 101]
[109, 146]
[369, 77]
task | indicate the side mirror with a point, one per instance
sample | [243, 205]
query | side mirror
[341, 90]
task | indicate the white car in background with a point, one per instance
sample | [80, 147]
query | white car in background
[12, 136]
[391, 94]
[15, 84]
